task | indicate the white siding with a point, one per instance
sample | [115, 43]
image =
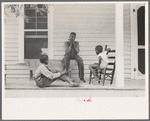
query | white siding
[127, 41]
[93, 24]
[13, 70]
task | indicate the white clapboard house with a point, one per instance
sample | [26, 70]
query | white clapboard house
[117, 25]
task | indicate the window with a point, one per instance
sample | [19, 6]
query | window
[35, 30]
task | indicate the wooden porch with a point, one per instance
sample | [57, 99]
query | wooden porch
[60, 85]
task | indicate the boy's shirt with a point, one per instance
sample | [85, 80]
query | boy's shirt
[104, 60]
[42, 69]
[72, 53]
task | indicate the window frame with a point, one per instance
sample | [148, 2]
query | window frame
[21, 31]
[36, 17]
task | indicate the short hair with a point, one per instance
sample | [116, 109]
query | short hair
[73, 33]
[43, 58]
[99, 49]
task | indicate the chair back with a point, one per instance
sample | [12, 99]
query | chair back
[110, 70]
[111, 54]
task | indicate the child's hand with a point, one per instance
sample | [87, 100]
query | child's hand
[71, 40]
[108, 49]
[58, 70]
[63, 72]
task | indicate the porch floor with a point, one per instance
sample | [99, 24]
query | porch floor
[59, 85]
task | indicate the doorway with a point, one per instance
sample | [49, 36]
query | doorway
[140, 65]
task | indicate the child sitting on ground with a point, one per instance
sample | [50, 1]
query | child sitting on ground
[103, 61]
[45, 76]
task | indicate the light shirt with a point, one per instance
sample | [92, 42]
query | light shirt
[43, 69]
[104, 60]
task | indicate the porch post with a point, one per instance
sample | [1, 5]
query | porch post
[119, 45]
[50, 31]
[21, 35]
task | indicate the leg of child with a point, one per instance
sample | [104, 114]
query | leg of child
[64, 78]
[66, 63]
[43, 81]
[92, 67]
[69, 80]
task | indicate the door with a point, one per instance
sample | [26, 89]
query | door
[140, 65]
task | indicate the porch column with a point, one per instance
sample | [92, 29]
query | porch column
[119, 45]
[50, 32]
[21, 35]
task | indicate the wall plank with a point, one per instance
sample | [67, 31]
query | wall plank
[14, 36]
[11, 49]
[11, 54]
[11, 40]
[17, 67]
[17, 76]
[17, 72]
[12, 45]
[11, 58]
[8, 62]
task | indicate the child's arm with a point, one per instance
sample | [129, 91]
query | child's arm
[49, 74]
[76, 47]
[67, 48]
[55, 70]
[100, 58]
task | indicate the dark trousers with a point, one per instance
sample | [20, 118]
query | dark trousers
[79, 60]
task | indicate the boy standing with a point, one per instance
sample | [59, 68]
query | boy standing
[45, 76]
[71, 52]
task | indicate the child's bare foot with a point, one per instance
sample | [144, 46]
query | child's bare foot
[96, 79]
[73, 84]
[81, 82]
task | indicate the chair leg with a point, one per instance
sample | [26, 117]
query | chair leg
[104, 76]
[112, 78]
[31, 75]
[99, 78]
[103, 80]
[90, 77]
[5, 79]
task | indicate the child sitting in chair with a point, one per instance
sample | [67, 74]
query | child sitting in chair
[45, 76]
[103, 61]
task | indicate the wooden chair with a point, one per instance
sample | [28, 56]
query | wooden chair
[109, 71]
